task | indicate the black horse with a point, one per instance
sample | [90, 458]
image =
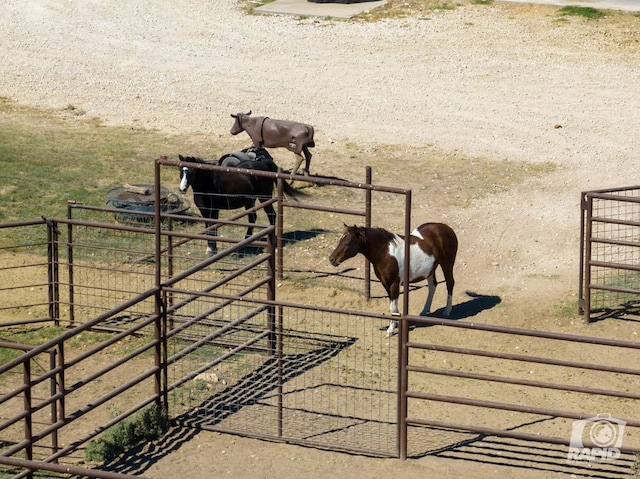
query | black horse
[229, 190]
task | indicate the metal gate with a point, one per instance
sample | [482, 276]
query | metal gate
[610, 253]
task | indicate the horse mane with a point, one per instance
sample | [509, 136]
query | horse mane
[191, 159]
[371, 232]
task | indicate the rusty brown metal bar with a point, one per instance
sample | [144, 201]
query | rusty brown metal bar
[502, 433]
[522, 358]
[18, 224]
[367, 223]
[509, 407]
[403, 338]
[64, 469]
[525, 332]
[522, 382]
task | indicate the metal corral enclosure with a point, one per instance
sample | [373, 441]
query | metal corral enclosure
[610, 253]
[210, 340]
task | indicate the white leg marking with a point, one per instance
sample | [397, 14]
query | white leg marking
[447, 310]
[393, 328]
[183, 182]
[393, 307]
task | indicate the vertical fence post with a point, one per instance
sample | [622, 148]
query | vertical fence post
[160, 329]
[279, 227]
[53, 390]
[403, 337]
[72, 312]
[53, 276]
[367, 223]
[28, 429]
[587, 259]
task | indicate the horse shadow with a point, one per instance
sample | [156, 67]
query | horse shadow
[257, 386]
[477, 304]
[309, 180]
[292, 237]
[288, 238]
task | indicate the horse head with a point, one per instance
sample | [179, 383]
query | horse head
[186, 173]
[350, 244]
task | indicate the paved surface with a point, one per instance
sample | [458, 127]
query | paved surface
[306, 8]
[341, 10]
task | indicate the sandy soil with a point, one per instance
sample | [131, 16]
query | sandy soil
[488, 83]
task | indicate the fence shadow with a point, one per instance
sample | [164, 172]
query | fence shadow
[249, 390]
[515, 453]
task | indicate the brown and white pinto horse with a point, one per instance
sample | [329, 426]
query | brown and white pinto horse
[432, 244]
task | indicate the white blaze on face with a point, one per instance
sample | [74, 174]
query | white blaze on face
[183, 181]
[420, 263]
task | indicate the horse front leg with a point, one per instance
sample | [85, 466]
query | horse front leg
[252, 217]
[394, 293]
[212, 246]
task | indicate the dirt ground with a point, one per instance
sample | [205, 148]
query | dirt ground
[538, 108]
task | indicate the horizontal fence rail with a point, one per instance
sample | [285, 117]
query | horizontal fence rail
[547, 360]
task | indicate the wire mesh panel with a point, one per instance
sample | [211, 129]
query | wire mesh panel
[318, 377]
[105, 267]
[24, 256]
[611, 251]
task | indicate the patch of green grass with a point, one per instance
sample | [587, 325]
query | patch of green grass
[32, 337]
[567, 309]
[586, 12]
[50, 157]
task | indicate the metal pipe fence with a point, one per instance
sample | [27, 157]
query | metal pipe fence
[526, 391]
[610, 253]
[212, 343]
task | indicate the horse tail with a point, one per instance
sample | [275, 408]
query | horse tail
[291, 192]
[310, 132]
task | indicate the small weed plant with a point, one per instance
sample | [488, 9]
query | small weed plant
[147, 425]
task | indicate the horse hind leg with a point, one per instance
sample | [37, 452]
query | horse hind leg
[448, 276]
[431, 281]
[307, 159]
[299, 159]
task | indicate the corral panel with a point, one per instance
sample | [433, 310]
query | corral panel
[327, 379]
[611, 251]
